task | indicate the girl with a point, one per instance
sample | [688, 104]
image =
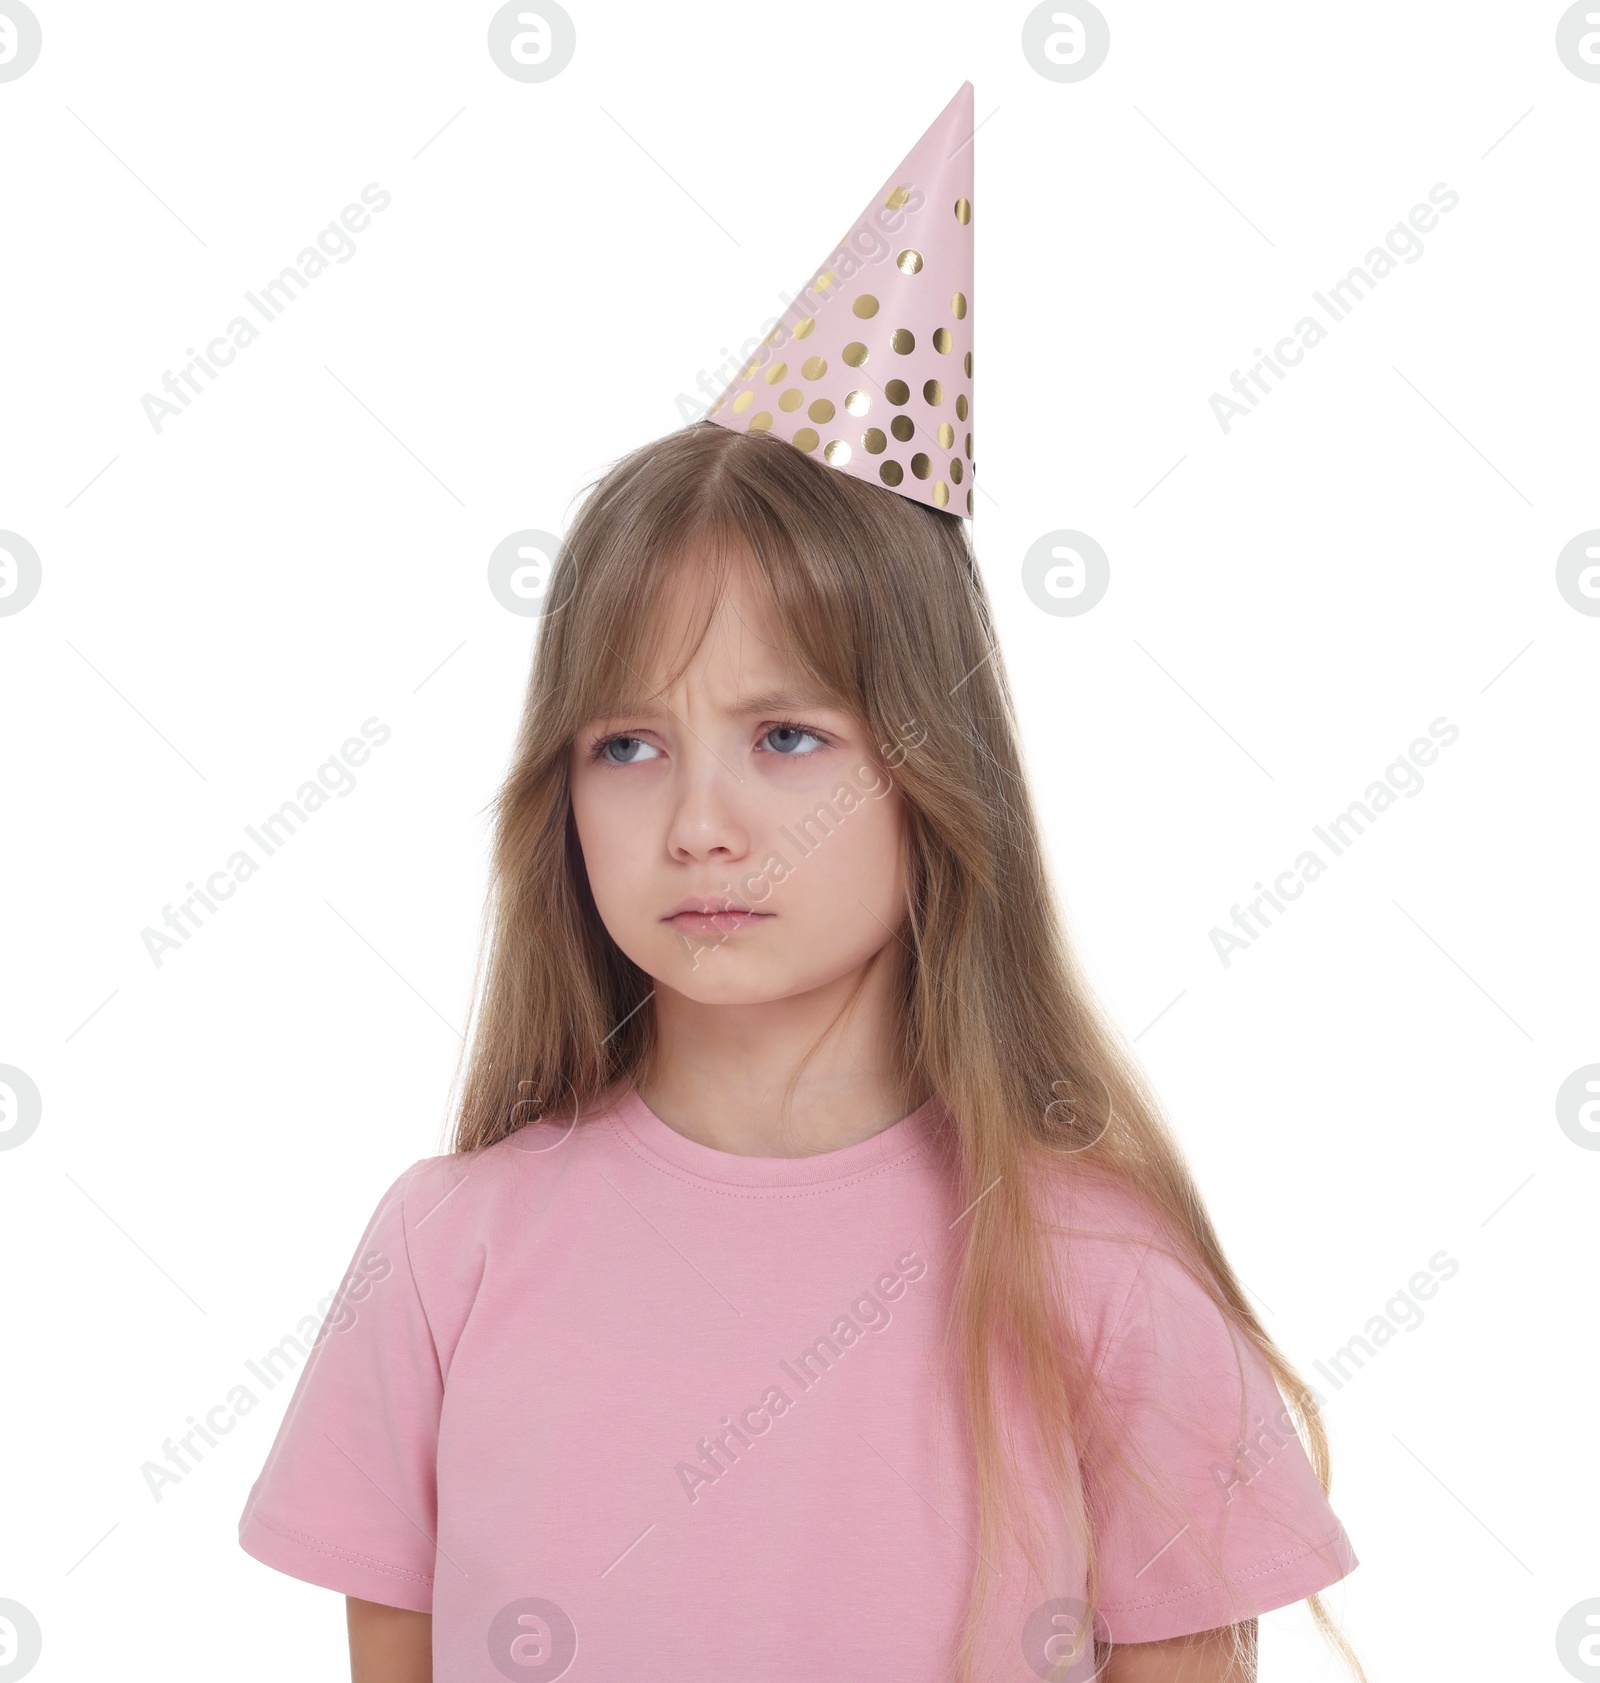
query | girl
[814, 1288]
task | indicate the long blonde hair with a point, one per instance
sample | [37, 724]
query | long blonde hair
[883, 606]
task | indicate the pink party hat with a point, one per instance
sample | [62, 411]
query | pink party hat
[870, 368]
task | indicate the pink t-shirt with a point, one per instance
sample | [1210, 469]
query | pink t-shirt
[611, 1403]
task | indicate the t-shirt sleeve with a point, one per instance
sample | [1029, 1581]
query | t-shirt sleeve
[347, 1496]
[1197, 1410]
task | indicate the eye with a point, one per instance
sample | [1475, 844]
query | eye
[632, 750]
[790, 740]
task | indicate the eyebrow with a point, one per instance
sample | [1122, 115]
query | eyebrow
[763, 701]
[784, 701]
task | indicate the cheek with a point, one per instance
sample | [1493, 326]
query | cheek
[604, 840]
[858, 866]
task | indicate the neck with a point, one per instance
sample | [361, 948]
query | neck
[784, 1078]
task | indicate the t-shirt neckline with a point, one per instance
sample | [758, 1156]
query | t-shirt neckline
[888, 1148]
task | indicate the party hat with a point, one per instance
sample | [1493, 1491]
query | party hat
[870, 368]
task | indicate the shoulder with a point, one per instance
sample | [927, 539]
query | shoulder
[448, 1222]
[1091, 1210]
[1122, 1257]
[442, 1205]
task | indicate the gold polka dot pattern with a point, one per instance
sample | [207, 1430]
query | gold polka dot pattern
[886, 321]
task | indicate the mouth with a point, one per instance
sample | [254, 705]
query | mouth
[697, 920]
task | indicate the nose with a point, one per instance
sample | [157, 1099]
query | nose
[707, 820]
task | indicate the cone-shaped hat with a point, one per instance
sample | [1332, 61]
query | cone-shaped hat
[870, 368]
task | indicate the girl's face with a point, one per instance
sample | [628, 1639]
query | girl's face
[744, 842]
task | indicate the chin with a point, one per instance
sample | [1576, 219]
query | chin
[728, 978]
[730, 987]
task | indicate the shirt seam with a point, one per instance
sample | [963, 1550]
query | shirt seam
[1260, 1570]
[309, 1540]
[1127, 1299]
[411, 1272]
[735, 1189]
[1150, 1244]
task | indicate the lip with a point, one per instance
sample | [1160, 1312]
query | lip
[698, 914]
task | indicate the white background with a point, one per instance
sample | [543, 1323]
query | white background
[1291, 603]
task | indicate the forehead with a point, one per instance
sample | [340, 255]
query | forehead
[715, 632]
